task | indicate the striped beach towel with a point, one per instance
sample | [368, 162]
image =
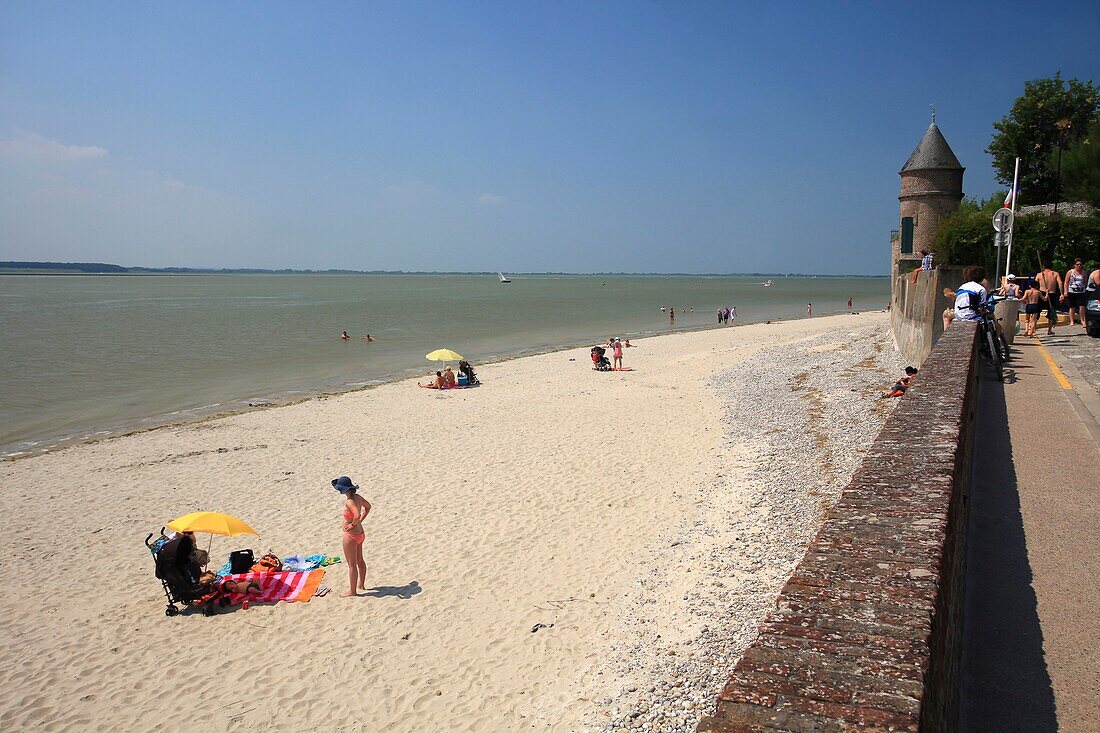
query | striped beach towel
[280, 586]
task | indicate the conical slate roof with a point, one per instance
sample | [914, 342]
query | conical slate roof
[932, 152]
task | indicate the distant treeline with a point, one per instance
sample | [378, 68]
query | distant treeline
[93, 268]
[106, 268]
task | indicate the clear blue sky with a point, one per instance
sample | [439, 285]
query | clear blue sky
[640, 136]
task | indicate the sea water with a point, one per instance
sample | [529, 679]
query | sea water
[95, 354]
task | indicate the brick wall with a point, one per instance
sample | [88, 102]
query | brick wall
[865, 634]
[927, 196]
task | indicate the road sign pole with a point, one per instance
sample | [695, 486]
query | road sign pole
[1002, 222]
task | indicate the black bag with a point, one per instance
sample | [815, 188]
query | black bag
[241, 561]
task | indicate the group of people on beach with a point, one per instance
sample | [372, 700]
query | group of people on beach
[601, 363]
[446, 379]
[727, 314]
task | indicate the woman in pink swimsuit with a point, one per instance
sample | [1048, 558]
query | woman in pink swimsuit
[356, 509]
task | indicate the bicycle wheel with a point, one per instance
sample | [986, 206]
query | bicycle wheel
[994, 352]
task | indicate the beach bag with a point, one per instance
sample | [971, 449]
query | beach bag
[240, 561]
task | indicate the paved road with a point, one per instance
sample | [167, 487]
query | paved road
[1082, 351]
[1031, 634]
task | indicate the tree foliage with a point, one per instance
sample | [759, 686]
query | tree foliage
[966, 238]
[1052, 113]
[1081, 167]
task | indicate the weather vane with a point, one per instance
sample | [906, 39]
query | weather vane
[933, 114]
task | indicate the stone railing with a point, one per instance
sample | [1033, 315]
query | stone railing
[865, 633]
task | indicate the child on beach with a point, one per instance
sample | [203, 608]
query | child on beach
[902, 384]
[356, 509]
[617, 354]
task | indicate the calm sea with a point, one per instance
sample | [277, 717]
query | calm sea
[85, 355]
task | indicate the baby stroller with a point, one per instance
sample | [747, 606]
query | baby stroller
[600, 362]
[179, 574]
[471, 378]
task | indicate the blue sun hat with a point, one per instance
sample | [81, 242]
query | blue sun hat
[343, 485]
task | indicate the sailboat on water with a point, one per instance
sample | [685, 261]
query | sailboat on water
[502, 278]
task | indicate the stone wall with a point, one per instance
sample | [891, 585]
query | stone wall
[916, 309]
[865, 633]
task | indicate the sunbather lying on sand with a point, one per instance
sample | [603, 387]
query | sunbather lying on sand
[248, 587]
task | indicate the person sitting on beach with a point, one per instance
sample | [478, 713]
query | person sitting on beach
[902, 384]
[436, 383]
[344, 336]
[448, 378]
[627, 344]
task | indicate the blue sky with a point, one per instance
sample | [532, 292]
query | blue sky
[638, 137]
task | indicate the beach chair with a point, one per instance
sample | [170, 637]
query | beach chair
[179, 574]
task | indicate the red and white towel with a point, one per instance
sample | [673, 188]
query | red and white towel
[280, 586]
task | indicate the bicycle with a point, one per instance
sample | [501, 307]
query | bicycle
[992, 342]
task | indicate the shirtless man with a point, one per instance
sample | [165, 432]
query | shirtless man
[1050, 286]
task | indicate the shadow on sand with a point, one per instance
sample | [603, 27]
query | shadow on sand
[404, 592]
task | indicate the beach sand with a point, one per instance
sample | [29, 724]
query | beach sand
[593, 503]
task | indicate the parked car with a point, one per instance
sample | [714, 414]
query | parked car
[1092, 313]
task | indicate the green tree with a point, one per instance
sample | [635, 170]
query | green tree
[1081, 167]
[1052, 113]
[966, 238]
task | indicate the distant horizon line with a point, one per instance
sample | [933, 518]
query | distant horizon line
[17, 267]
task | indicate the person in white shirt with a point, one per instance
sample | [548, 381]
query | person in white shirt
[970, 293]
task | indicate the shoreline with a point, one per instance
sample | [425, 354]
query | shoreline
[625, 513]
[266, 401]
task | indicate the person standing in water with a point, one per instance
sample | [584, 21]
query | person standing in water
[356, 509]
[849, 304]
[671, 315]
[809, 309]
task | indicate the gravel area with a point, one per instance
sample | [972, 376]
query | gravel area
[797, 419]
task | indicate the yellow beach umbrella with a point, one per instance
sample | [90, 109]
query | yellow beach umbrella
[444, 355]
[211, 523]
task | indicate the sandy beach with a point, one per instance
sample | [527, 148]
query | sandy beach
[646, 518]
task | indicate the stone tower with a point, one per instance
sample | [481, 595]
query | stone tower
[931, 188]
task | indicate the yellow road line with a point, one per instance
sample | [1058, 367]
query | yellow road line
[1054, 368]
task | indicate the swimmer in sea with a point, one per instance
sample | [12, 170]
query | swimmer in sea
[369, 339]
[344, 336]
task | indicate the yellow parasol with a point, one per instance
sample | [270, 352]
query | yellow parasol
[444, 355]
[211, 523]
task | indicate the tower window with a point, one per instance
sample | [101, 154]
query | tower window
[907, 235]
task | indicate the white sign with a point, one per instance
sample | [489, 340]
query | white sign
[1002, 220]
